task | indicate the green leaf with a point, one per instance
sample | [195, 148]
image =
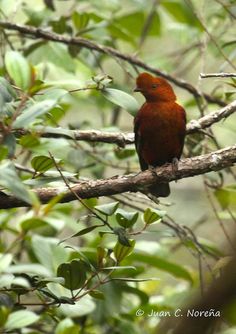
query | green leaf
[126, 219]
[97, 294]
[151, 216]
[117, 31]
[32, 112]
[3, 152]
[42, 163]
[128, 23]
[31, 268]
[82, 232]
[162, 264]
[54, 53]
[18, 69]
[9, 141]
[80, 21]
[59, 25]
[101, 254]
[5, 281]
[121, 251]
[48, 252]
[107, 209]
[124, 153]
[10, 180]
[182, 13]
[32, 223]
[7, 93]
[20, 319]
[86, 230]
[5, 261]
[67, 326]
[122, 99]
[226, 197]
[74, 273]
[29, 141]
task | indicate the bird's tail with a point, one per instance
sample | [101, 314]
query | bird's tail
[160, 190]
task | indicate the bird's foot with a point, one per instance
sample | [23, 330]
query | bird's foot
[175, 166]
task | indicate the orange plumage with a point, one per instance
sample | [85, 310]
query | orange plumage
[159, 127]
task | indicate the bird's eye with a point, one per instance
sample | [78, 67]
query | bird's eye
[154, 86]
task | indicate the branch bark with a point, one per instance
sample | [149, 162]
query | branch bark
[83, 42]
[122, 139]
[133, 182]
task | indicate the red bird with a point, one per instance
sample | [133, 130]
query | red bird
[159, 127]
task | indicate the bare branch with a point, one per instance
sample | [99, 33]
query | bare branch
[133, 182]
[217, 75]
[213, 117]
[122, 139]
[83, 42]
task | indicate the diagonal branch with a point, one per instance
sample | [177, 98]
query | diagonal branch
[122, 139]
[133, 182]
[83, 42]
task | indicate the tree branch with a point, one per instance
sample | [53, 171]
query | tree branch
[122, 139]
[133, 182]
[217, 75]
[83, 42]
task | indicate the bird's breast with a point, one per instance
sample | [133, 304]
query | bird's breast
[161, 130]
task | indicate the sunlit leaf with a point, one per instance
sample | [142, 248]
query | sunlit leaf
[121, 251]
[19, 69]
[107, 209]
[10, 180]
[20, 319]
[151, 216]
[67, 326]
[122, 99]
[32, 112]
[5, 261]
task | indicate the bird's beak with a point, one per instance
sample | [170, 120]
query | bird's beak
[137, 89]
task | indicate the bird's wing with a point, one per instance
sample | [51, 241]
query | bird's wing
[138, 143]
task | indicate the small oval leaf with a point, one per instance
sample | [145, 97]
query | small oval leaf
[107, 209]
[34, 111]
[121, 251]
[18, 69]
[42, 163]
[74, 274]
[122, 99]
[126, 219]
[20, 319]
[151, 216]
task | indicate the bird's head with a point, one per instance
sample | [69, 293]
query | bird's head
[154, 89]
